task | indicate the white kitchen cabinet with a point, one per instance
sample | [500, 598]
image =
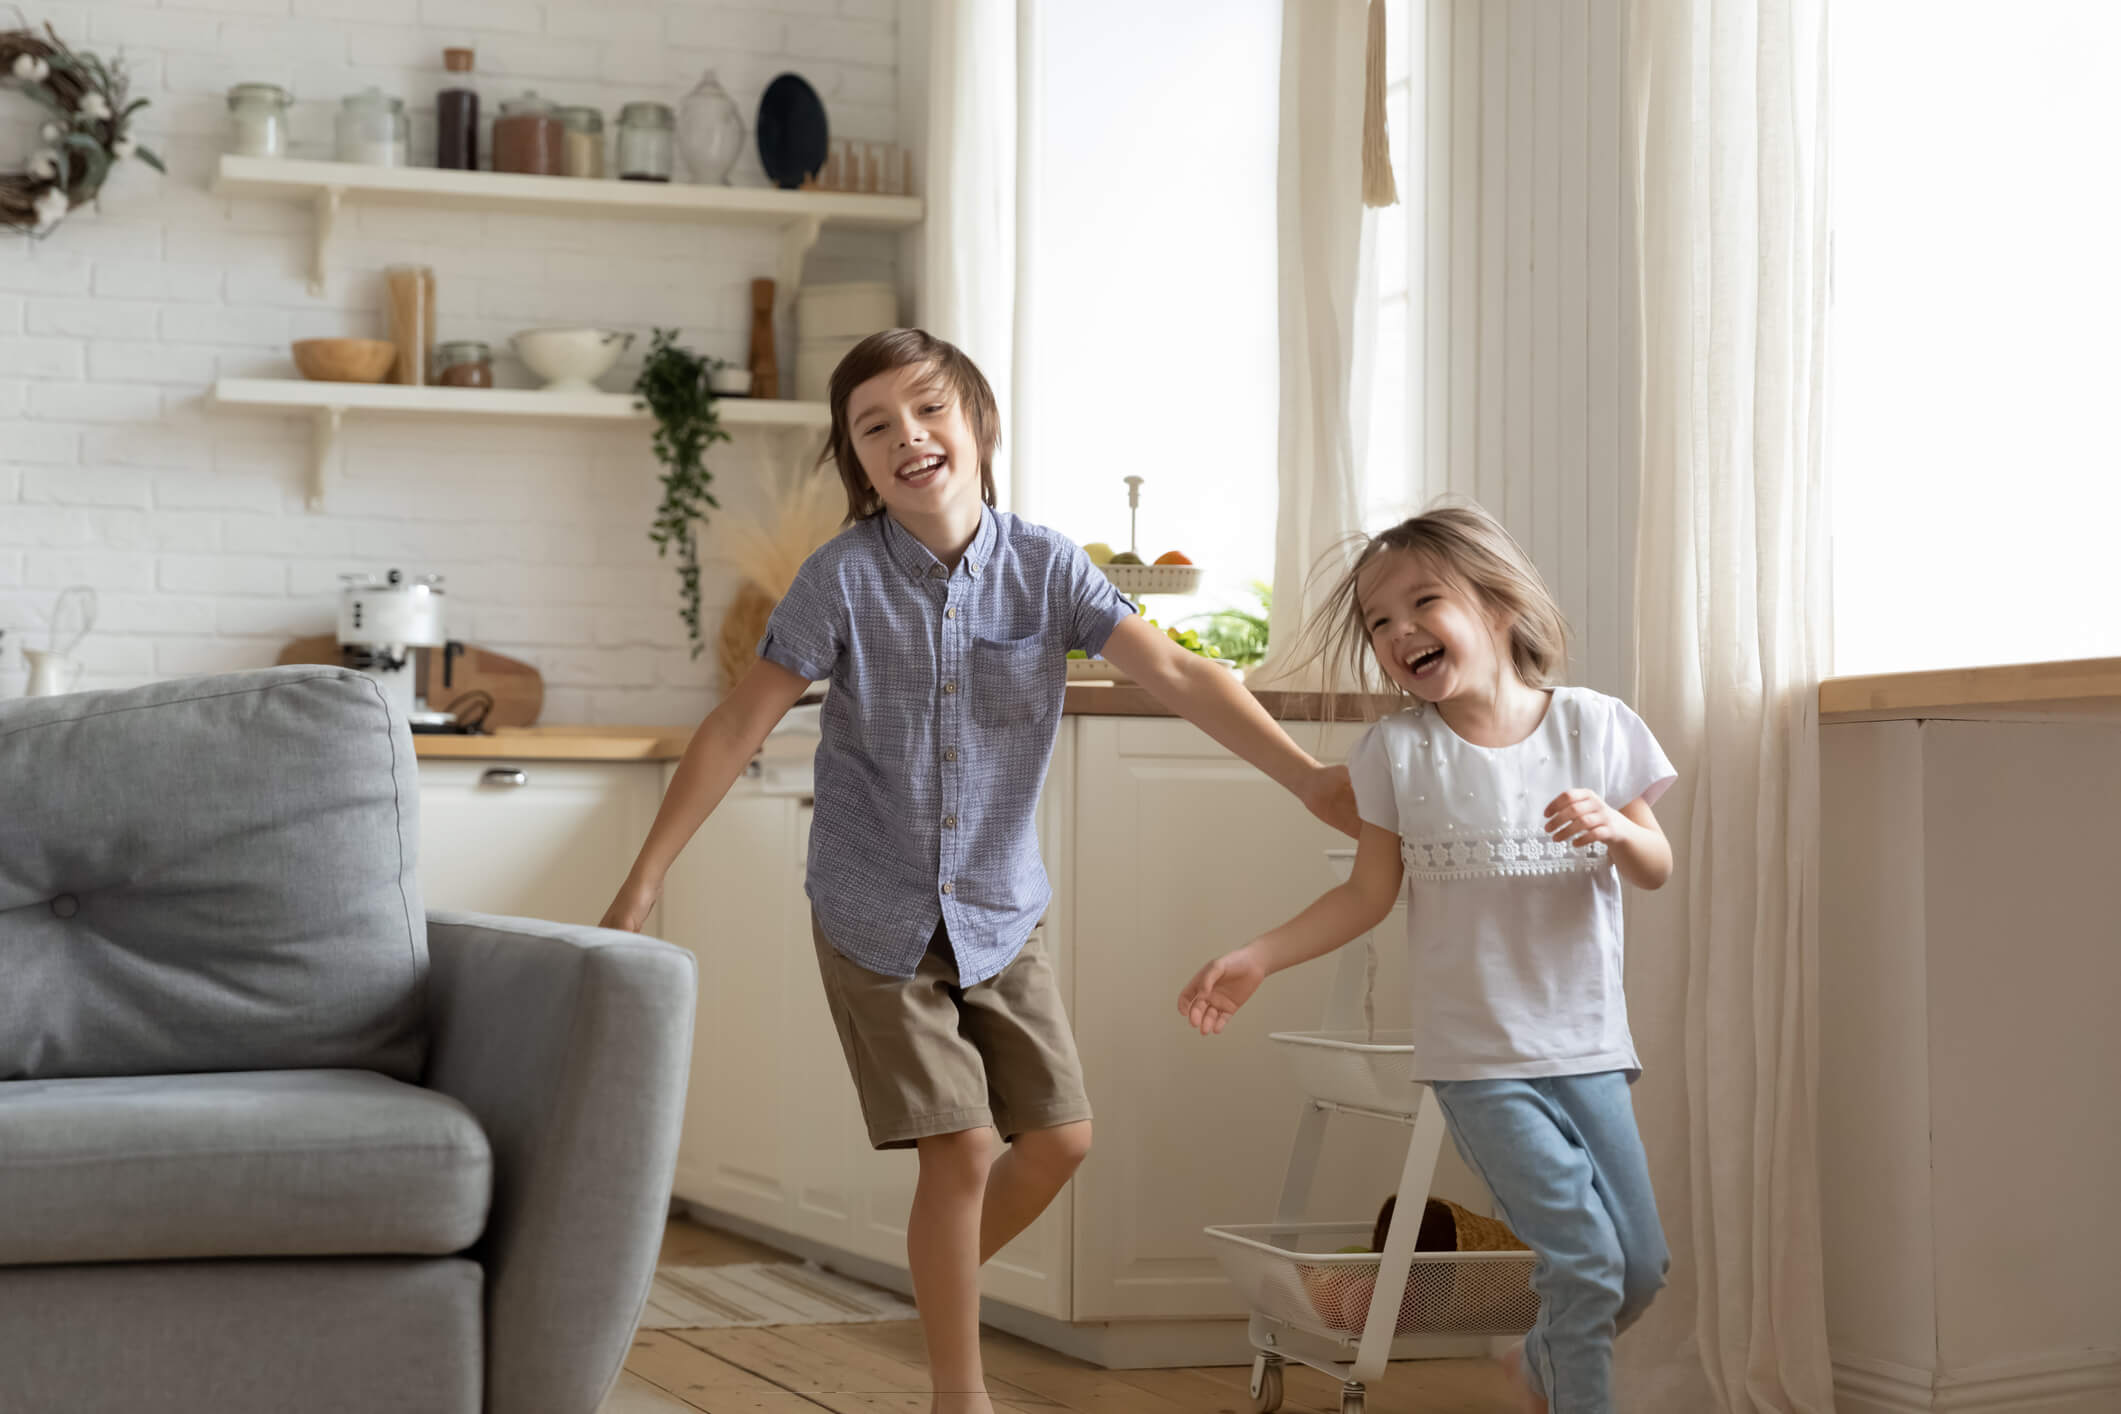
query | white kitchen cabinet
[532, 839]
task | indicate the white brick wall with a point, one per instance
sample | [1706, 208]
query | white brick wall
[191, 524]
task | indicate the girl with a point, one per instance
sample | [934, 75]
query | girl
[944, 626]
[1514, 807]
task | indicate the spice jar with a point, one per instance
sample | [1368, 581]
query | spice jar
[526, 137]
[457, 116]
[647, 142]
[373, 129]
[257, 118]
[582, 143]
[466, 363]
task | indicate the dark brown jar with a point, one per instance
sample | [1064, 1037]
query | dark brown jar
[528, 137]
[457, 117]
[467, 363]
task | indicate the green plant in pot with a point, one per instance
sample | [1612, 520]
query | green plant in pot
[1238, 634]
[674, 387]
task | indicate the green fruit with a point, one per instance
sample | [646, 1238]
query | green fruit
[1125, 557]
[1098, 551]
[1077, 653]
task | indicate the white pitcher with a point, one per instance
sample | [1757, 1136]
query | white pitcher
[50, 674]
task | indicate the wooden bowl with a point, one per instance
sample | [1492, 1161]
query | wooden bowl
[344, 360]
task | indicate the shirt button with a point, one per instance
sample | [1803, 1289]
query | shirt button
[947, 888]
[950, 753]
[938, 572]
[949, 613]
[949, 822]
[950, 686]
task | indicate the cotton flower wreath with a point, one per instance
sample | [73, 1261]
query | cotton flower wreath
[85, 135]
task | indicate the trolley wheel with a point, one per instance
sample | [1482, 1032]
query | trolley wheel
[1351, 1399]
[1266, 1384]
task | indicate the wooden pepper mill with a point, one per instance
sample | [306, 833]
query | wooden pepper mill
[765, 371]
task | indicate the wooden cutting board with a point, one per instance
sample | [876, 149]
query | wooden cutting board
[517, 689]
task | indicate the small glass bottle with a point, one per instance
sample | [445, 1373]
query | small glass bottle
[646, 142]
[526, 137]
[464, 363]
[710, 131]
[373, 129]
[582, 142]
[257, 118]
[457, 116]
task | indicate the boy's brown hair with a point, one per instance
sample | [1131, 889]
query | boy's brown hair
[887, 352]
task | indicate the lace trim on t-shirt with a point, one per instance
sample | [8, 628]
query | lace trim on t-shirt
[1495, 853]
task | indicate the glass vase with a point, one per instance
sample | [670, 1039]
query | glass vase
[710, 131]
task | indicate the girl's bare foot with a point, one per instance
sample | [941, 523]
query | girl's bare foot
[1527, 1400]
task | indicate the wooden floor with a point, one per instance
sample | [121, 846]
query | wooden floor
[863, 1368]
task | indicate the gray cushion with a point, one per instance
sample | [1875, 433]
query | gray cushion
[210, 874]
[372, 1335]
[259, 1164]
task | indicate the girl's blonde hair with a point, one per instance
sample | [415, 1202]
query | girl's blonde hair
[1470, 548]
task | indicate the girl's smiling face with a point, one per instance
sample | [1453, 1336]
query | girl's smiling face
[1429, 633]
[914, 443]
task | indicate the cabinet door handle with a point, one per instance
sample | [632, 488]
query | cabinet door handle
[505, 776]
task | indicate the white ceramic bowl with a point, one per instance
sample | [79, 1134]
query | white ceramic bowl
[730, 382]
[571, 360]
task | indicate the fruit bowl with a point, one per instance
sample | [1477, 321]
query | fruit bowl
[344, 360]
[1153, 579]
[571, 360]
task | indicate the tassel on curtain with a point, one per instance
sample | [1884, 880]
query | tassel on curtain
[1378, 187]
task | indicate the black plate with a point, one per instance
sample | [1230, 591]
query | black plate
[792, 133]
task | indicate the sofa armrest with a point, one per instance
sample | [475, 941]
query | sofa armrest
[571, 1046]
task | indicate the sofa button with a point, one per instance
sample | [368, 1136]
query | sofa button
[65, 906]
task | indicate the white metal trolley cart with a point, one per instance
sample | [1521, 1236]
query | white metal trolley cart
[1347, 1313]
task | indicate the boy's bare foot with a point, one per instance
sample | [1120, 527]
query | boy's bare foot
[1513, 1364]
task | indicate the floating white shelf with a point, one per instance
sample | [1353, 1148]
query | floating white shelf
[328, 186]
[329, 403]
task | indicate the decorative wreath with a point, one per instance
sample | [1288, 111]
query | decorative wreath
[85, 134]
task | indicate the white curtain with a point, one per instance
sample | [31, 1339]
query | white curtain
[1319, 240]
[1726, 104]
[969, 261]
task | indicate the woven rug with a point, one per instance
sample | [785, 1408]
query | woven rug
[763, 1294]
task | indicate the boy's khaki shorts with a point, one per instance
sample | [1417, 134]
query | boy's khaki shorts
[929, 1057]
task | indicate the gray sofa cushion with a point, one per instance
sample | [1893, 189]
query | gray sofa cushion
[210, 874]
[290, 1163]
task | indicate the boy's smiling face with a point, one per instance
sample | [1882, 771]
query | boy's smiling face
[915, 444]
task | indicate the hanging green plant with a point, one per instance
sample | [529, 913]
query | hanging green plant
[673, 385]
[86, 131]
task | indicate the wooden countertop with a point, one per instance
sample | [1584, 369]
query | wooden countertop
[2074, 688]
[667, 743]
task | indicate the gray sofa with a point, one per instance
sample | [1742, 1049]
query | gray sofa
[272, 1138]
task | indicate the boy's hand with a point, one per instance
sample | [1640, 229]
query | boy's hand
[1580, 817]
[630, 909]
[1219, 989]
[1330, 796]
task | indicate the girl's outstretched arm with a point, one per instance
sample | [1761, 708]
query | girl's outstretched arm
[1211, 697]
[718, 752]
[1340, 916]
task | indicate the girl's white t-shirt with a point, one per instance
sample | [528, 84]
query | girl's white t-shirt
[1516, 940]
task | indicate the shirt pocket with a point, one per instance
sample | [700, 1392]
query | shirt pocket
[1012, 681]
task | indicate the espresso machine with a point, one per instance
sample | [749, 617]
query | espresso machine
[381, 624]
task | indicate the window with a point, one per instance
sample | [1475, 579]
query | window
[1976, 334]
[1148, 300]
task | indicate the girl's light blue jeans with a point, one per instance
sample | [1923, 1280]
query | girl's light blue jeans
[1565, 1163]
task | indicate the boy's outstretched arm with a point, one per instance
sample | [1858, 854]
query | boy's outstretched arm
[1210, 696]
[717, 754]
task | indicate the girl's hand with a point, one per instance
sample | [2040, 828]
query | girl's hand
[630, 909]
[1580, 817]
[1219, 989]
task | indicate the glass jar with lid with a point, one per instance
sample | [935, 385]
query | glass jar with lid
[257, 119]
[464, 363]
[647, 142]
[373, 129]
[526, 137]
[581, 142]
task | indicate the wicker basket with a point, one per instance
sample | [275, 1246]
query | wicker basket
[1154, 579]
